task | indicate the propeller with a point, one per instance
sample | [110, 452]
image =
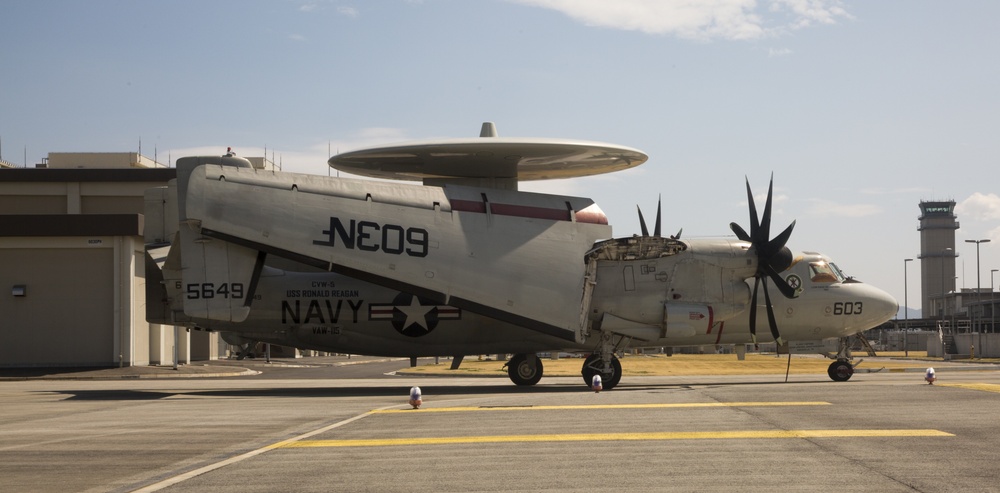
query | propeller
[656, 226]
[772, 257]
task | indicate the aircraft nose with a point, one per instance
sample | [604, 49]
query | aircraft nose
[881, 306]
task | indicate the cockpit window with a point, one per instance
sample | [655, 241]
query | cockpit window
[825, 272]
[838, 272]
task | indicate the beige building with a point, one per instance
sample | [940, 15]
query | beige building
[72, 280]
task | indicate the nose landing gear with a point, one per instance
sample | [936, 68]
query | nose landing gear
[841, 370]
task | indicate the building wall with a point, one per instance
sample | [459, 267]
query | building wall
[100, 160]
[72, 238]
[66, 317]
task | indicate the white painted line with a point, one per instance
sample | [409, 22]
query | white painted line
[253, 453]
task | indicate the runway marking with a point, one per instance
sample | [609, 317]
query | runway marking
[680, 405]
[616, 437]
[985, 387]
[253, 453]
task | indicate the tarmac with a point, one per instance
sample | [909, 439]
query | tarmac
[224, 368]
[330, 424]
[200, 369]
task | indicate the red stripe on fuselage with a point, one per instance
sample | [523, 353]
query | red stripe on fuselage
[528, 211]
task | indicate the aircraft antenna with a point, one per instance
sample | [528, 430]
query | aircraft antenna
[489, 130]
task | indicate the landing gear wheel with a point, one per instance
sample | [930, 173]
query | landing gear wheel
[840, 371]
[593, 365]
[524, 369]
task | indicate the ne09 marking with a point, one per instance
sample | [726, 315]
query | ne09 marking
[208, 290]
[848, 308]
[371, 236]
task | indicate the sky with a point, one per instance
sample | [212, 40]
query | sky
[860, 110]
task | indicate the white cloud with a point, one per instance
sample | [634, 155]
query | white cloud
[296, 37]
[699, 19]
[829, 208]
[806, 12]
[980, 207]
[894, 191]
[776, 52]
[994, 234]
[348, 12]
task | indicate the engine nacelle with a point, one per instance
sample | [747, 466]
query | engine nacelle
[687, 320]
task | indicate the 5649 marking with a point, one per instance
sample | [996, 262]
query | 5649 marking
[208, 290]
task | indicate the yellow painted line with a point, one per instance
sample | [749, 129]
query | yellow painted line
[985, 387]
[681, 405]
[614, 437]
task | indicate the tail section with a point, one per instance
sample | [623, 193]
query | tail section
[191, 276]
[513, 256]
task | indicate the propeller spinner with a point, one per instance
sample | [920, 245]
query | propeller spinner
[772, 257]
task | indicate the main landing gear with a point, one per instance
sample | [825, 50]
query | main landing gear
[610, 373]
[604, 363]
[524, 369]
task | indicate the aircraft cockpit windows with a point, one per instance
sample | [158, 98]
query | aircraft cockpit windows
[838, 272]
[825, 272]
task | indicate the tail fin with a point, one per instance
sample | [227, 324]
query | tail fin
[189, 276]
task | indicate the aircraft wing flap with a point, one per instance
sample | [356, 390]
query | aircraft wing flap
[521, 266]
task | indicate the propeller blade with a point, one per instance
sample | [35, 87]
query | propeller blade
[765, 221]
[781, 284]
[779, 241]
[740, 233]
[770, 316]
[753, 312]
[678, 235]
[754, 223]
[642, 222]
[656, 227]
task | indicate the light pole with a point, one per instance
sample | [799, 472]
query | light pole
[979, 294]
[906, 309]
[993, 316]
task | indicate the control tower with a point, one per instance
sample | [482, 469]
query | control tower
[937, 257]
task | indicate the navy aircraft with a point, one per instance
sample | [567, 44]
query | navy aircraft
[467, 264]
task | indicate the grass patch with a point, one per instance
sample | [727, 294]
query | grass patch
[676, 365]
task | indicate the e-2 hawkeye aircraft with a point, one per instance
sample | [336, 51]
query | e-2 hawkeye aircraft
[466, 264]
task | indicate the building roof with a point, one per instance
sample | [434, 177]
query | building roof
[87, 175]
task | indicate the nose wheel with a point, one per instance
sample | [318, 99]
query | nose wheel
[840, 371]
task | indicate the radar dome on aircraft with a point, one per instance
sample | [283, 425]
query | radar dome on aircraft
[488, 160]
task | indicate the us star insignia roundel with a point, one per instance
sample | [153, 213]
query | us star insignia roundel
[412, 316]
